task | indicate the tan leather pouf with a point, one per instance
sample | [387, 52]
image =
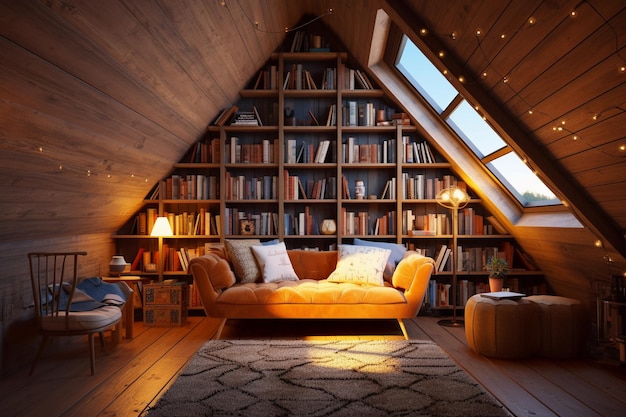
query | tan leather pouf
[506, 329]
[563, 326]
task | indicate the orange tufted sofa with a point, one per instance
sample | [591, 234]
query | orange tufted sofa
[312, 296]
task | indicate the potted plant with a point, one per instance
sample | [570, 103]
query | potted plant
[497, 268]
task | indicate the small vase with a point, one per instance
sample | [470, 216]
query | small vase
[495, 284]
[117, 265]
[329, 227]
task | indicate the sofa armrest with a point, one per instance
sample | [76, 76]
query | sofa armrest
[212, 275]
[413, 275]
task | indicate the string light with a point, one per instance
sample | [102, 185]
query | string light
[256, 25]
[529, 23]
[66, 168]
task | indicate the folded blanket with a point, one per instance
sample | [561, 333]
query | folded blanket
[93, 293]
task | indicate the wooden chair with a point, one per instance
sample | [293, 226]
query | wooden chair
[54, 279]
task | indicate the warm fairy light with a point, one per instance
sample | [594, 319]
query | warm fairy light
[89, 173]
[575, 137]
[622, 69]
[505, 80]
[462, 79]
[532, 21]
[573, 13]
[598, 243]
[441, 54]
[503, 36]
[530, 111]
[484, 74]
[423, 31]
[622, 148]
[453, 36]
[40, 149]
[479, 32]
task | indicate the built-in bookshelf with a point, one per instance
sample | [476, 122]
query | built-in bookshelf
[289, 154]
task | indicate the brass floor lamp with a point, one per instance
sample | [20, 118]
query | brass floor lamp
[453, 198]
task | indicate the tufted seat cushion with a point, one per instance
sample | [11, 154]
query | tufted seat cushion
[563, 326]
[504, 329]
[82, 320]
[309, 291]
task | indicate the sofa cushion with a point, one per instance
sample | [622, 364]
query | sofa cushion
[360, 265]
[313, 264]
[274, 263]
[309, 291]
[242, 259]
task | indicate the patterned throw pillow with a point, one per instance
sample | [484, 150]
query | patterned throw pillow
[274, 262]
[240, 255]
[360, 265]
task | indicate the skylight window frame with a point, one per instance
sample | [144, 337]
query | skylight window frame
[393, 57]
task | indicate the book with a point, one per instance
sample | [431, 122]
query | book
[503, 295]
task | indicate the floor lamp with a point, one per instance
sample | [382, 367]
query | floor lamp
[161, 228]
[453, 198]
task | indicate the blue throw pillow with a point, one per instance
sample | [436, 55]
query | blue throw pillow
[397, 250]
[271, 242]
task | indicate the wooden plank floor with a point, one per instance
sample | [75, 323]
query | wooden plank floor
[134, 374]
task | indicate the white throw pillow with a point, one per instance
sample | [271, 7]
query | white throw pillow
[274, 262]
[360, 265]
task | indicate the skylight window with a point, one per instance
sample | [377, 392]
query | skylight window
[425, 77]
[521, 181]
[471, 128]
[474, 130]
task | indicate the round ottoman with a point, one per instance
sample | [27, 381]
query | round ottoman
[563, 330]
[507, 329]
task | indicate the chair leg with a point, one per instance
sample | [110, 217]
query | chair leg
[42, 345]
[92, 353]
[101, 339]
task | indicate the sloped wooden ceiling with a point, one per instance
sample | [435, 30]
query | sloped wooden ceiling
[98, 99]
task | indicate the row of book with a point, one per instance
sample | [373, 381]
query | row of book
[362, 223]
[264, 152]
[205, 151]
[240, 222]
[373, 153]
[257, 188]
[301, 223]
[423, 187]
[416, 152]
[475, 259]
[434, 224]
[299, 78]
[307, 152]
[190, 187]
[439, 295]
[321, 188]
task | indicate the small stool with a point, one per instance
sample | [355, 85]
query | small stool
[563, 330]
[506, 329]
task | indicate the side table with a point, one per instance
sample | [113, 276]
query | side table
[129, 314]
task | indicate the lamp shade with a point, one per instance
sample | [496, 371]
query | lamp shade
[453, 197]
[161, 227]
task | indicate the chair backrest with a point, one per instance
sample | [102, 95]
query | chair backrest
[53, 277]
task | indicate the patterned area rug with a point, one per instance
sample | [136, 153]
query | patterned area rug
[355, 378]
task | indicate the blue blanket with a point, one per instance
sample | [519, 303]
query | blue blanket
[93, 293]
